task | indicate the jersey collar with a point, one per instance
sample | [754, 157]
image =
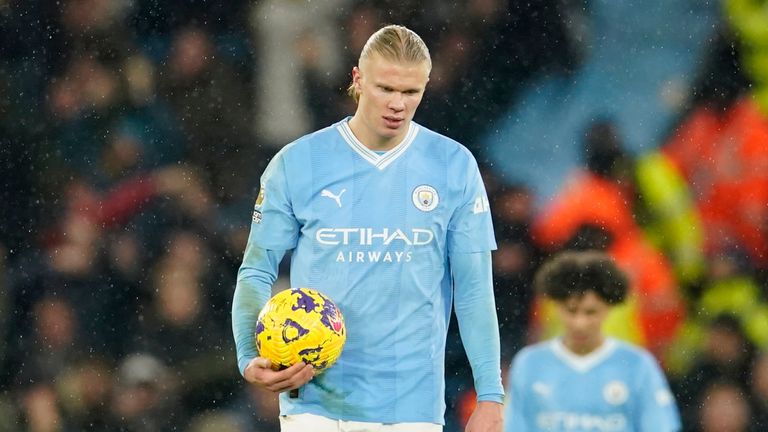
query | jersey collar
[382, 160]
[583, 363]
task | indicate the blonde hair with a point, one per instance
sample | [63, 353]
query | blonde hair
[395, 43]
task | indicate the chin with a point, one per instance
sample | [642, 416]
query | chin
[390, 133]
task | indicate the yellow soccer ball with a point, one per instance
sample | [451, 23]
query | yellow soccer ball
[300, 325]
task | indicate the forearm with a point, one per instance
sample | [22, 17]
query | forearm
[254, 288]
[476, 313]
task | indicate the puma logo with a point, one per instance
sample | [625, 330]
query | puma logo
[328, 194]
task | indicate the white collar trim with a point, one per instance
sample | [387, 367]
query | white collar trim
[583, 363]
[380, 161]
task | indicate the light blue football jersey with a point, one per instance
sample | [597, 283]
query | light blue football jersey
[618, 388]
[373, 231]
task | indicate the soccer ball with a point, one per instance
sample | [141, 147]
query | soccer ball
[300, 324]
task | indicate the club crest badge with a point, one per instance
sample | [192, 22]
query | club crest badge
[425, 198]
[615, 392]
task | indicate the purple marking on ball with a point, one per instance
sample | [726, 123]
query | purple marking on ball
[291, 323]
[312, 356]
[305, 301]
[259, 328]
[329, 316]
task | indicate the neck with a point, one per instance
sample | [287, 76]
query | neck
[585, 348]
[371, 140]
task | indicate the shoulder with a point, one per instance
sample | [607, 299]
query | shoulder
[302, 148]
[635, 355]
[437, 141]
[304, 143]
[527, 363]
[533, 353]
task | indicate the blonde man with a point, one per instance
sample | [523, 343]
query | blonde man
[391, 220]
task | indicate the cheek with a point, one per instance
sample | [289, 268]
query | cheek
[568, 321]
[414, 103]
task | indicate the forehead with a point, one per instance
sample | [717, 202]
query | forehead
[384, 70]
[589, 300]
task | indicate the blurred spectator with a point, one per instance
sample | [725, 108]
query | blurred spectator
[293, 42]
[216, 421]
[514, 264]
[178, 331]
[100, 131]
[723, 155]
[724, 407]
[601, 197]
[748, 19]
[731, 288]
[759, 390]
[40, 409]
[669, 218]
[257, 408]
[214, 112]
[84, 390]
[485, 56]
[53, 344]
[96, 26]
[727, 354]
[144, 399]
[151, 20]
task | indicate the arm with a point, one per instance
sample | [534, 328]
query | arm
[254, 288]
[273, 231]
[478, 325]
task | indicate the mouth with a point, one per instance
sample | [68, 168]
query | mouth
[579, 338]
[393, 122]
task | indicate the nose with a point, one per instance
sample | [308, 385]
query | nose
[397, 102]
[580, 322]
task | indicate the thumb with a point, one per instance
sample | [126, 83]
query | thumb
[262, 362]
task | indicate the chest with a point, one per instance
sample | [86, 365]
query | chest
[605, 390]
[352, 193]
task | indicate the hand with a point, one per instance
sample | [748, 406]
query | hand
[259, 371]
[487, 417]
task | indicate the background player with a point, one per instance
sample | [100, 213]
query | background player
[584, 381]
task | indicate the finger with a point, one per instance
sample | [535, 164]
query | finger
[300, 374]
[295, 376]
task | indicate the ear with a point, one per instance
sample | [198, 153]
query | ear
[356, 77]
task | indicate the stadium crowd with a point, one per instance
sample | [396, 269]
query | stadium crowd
[133, 134]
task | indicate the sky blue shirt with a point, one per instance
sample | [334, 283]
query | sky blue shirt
[389, 237]
[618, 388]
